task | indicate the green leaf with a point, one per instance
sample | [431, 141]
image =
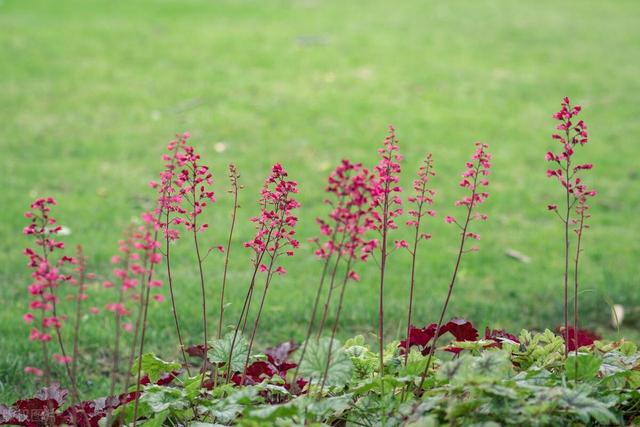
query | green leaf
[313, 366]
[582, 367]
[154, 367]
[327, 407]
[161, 398]
[221, 348]
[157, 420]
[273, 412]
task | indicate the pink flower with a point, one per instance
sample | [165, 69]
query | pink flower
[349, 188]
[281, 271]
[63, 360]
[384, 186]
[184, 190]
[401, 244]
[127, 327]
[28, 318]
[354, 276]
[94, 310]
[552, 207]
[117, 308]
[155, 284]
[34, 334]
[158, 298]
[275, 224]
[34, 371]
[449, 219]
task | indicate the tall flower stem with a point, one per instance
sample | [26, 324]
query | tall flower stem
[387, 176]
[314, 312]
[45, 360]
[115, 366]
[204, 299]
[72, 380]
[421, 197]
[481, 166]
[573, 135]
[245, 310]
[256, 322]
[136, 329]
[76, 327]
[383, 267]
[273, 256]
[566, 259]
[327, 304]
[576, 283]
[233, 174]
[167, 255]
[335, 326]
[145, 309]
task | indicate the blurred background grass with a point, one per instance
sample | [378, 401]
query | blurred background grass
[90, 91]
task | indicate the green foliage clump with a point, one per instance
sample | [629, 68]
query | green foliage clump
[525, 383]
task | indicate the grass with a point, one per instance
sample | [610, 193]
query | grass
[91, 91]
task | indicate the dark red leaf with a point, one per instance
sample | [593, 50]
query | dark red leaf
[280, 353]
[38, 411]
[90, 412]
[461, 329]
[419, 336]
[197, 350]
[278, 356]
[584, 337]
[498, 336]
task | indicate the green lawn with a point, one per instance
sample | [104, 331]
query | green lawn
[90, 91]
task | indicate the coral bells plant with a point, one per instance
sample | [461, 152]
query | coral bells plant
[184, 192]
[47, 264]
[342, 236]
[253, 388]
[386, 207]
[420, 202]
[275, 236]
[234, 177]
[132, 264]
[572, 134]
[474, 182]
[350, 186]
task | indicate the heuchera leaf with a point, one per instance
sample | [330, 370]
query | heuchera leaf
[584, 337]
[278, 356]
[38, 411]
[89, 413]
[255, 373]
[419, 336]
[197, 350]
[461, 329]
[314, 364]
[499, 336]
[220, 349]
[42, 409]
[154, 367]
[582, 367]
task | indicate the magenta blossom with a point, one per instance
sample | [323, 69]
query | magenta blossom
[275, 225]
[184, 190]
[474, 181]
[47, 270]
[573, 134]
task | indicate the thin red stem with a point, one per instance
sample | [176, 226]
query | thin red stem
[335, 326]
[463, 238]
